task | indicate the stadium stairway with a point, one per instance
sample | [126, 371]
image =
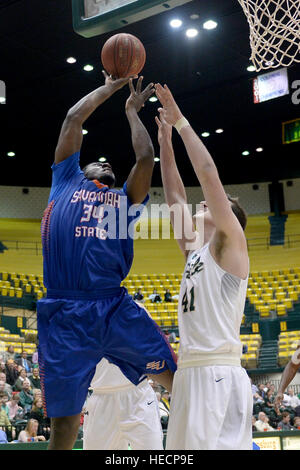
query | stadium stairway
[268, 355]
[277, 229]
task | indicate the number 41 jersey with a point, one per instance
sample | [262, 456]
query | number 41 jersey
[210, 310]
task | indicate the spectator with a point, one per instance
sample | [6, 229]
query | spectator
[261, 390]
[4, 403]
[155, 297]
[262, 424]
[245, 348]
[254, 387]
[269, 400]
[297, 422]
[171, 336]
[29, 434]
[3, 437]
[9, 354]
[139, 296]
[15, 411]
[165, 399]
[35, 357]
[20, 380]
[292, 400]
[4, 419]
[11, 372]
[285, 424]
[164, 413]
[26, 396]
[24, 362]
[168, 296]
[6, 388]
[253, 424]
[35, 379]
[37, 412]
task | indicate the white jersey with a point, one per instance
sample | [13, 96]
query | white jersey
[210, 309]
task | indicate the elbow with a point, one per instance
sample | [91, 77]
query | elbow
[72, 116]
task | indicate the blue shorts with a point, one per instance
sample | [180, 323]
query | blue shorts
[77, 329]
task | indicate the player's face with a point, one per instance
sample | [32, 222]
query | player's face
[101, 172]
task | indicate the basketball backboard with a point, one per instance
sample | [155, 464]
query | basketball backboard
[95, 17]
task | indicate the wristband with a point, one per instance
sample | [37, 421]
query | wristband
[181, 123]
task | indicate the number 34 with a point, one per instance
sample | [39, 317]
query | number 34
[189, 305]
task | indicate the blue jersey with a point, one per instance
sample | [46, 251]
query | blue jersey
[87, 231]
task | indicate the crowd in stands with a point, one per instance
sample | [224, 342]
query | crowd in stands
[155, 297]
[267, 416]
[22, 414]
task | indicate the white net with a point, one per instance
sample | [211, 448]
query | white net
[274, 32]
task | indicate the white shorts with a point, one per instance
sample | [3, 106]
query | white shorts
[121, 418]
[211, 409]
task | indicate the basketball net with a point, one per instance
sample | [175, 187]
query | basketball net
[274, 32]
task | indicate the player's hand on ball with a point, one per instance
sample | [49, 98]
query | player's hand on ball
[138, 97]
[164, 128]
[115, 83]
[172, 112]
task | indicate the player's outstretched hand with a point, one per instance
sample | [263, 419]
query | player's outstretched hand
[278, 399]
[172, 112]
[115, 83]
[138, 97]
[164, 128]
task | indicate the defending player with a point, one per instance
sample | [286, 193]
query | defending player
[211, 405]
[88, 251]
[288, 374]
[119, 413]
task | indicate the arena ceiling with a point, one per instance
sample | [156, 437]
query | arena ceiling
[208, 76]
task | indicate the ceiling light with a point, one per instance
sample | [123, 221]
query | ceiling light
[102, 159]
[11, 154]
[88, 68]
[259, 149]
[84, 131]
[156, 159]
[219, 131]
[176, 23]
[191, 32]
[251, 68]
[246, 152]
[194, 16]
[2, 100]
[205, 134]
[71, 60]
[153, 99]
[210, 24]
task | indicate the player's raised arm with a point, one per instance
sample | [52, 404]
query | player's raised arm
[175, 194]
[139, 179]
[228, 244]
[70, 139]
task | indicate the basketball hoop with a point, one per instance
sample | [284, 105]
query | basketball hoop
[274, 32]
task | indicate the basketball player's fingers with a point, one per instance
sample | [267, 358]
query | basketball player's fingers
[131, 87]
[158, 122]
[139, 85]
[105, 74]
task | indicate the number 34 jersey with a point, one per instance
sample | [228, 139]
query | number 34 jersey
[210, 309]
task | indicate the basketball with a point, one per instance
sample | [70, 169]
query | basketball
[123, 55]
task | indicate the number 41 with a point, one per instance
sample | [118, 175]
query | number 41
[185, 301]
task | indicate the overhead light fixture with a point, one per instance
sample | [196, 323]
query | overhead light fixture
[219, 131]
[11, 154]
[251, 68]
[210, 24]
[84, 131]
[153, 99]
[176, 23]
[205, 134]
[194, 16]
[88, 68]
[102, 159]
[71, 60]
[192, 32]
[2, 100]
[156, 159]
[259, 149]
[246, 152]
